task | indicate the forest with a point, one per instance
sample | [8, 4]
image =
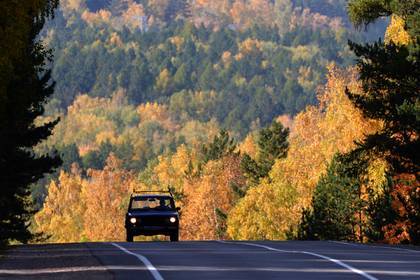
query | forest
[263, 116]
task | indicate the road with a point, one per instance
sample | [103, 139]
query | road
[210, 260]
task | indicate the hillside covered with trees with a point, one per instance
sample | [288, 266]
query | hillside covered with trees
[251, 110]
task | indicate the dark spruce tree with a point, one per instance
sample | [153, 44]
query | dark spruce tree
[391, 85]
[25, 85]
[222, 145]
[337, 205]
[272, 145]
[390, 76]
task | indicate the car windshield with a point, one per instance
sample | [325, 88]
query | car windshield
[152, 203]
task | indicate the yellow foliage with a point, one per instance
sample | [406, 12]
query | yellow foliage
[105, 136]
[170, 171]
[177, 41]
[153, 112]
[84, 121]
[106, 199]
[102, 16]
[249, 146]
[306, 78]
[249, 46]
[163, 80]
[115, 40]
[62, 214]
[206, 194]
[304, 53]
[239, 56]
[263, 213]
[396, 31]
[377, 175]
[210, 12]
[196, 132]
[92, 209]
[318, 133]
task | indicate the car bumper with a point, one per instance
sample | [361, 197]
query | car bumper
[151, 230]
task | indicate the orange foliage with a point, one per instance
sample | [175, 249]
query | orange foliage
[205, 195]
[96, 18]
[285, 120]
[133, 14]
[105, 198]
[404, 193]
[320, 132]
[246, 13]
[78, 209]
[171, 170]
[249, 146]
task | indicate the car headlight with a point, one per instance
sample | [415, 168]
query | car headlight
[172, 219]
[133, 220]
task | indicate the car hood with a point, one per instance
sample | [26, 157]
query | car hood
[152, 213]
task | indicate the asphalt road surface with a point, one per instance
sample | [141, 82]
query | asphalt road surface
[210, 260]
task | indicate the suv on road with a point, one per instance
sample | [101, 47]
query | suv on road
[152, 213]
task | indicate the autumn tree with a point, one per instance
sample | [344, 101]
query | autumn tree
[272, 209]
[73, 202]
[272, 145]
[222, 145]
[400, 224]
[106, 196]
[266, 212]
[338, 208]
[25, 85]
[389, 78]
[389, 73]
[209, 198]
[61, 218]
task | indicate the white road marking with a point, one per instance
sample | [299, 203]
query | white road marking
[374, 246]
[338, 262]
[192, 268]
[144, 260]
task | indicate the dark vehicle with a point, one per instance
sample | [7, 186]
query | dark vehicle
[152, 213]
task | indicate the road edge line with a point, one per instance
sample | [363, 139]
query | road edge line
[150, 267]
[338, 262]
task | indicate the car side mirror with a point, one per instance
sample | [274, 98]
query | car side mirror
[178, 208]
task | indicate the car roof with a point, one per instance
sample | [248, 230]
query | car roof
[134, 196]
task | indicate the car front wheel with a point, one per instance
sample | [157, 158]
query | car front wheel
[129, 237]
[174, 236]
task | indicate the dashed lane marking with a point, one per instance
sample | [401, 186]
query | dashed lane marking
[338, 262]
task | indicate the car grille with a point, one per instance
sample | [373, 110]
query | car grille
[154, 221]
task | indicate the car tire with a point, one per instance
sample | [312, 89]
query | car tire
[174, 237]
[129, 237]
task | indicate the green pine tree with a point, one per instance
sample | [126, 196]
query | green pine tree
[272, 145]
[221, 146]
[390, 76]
[337, 204]
[25, 85]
